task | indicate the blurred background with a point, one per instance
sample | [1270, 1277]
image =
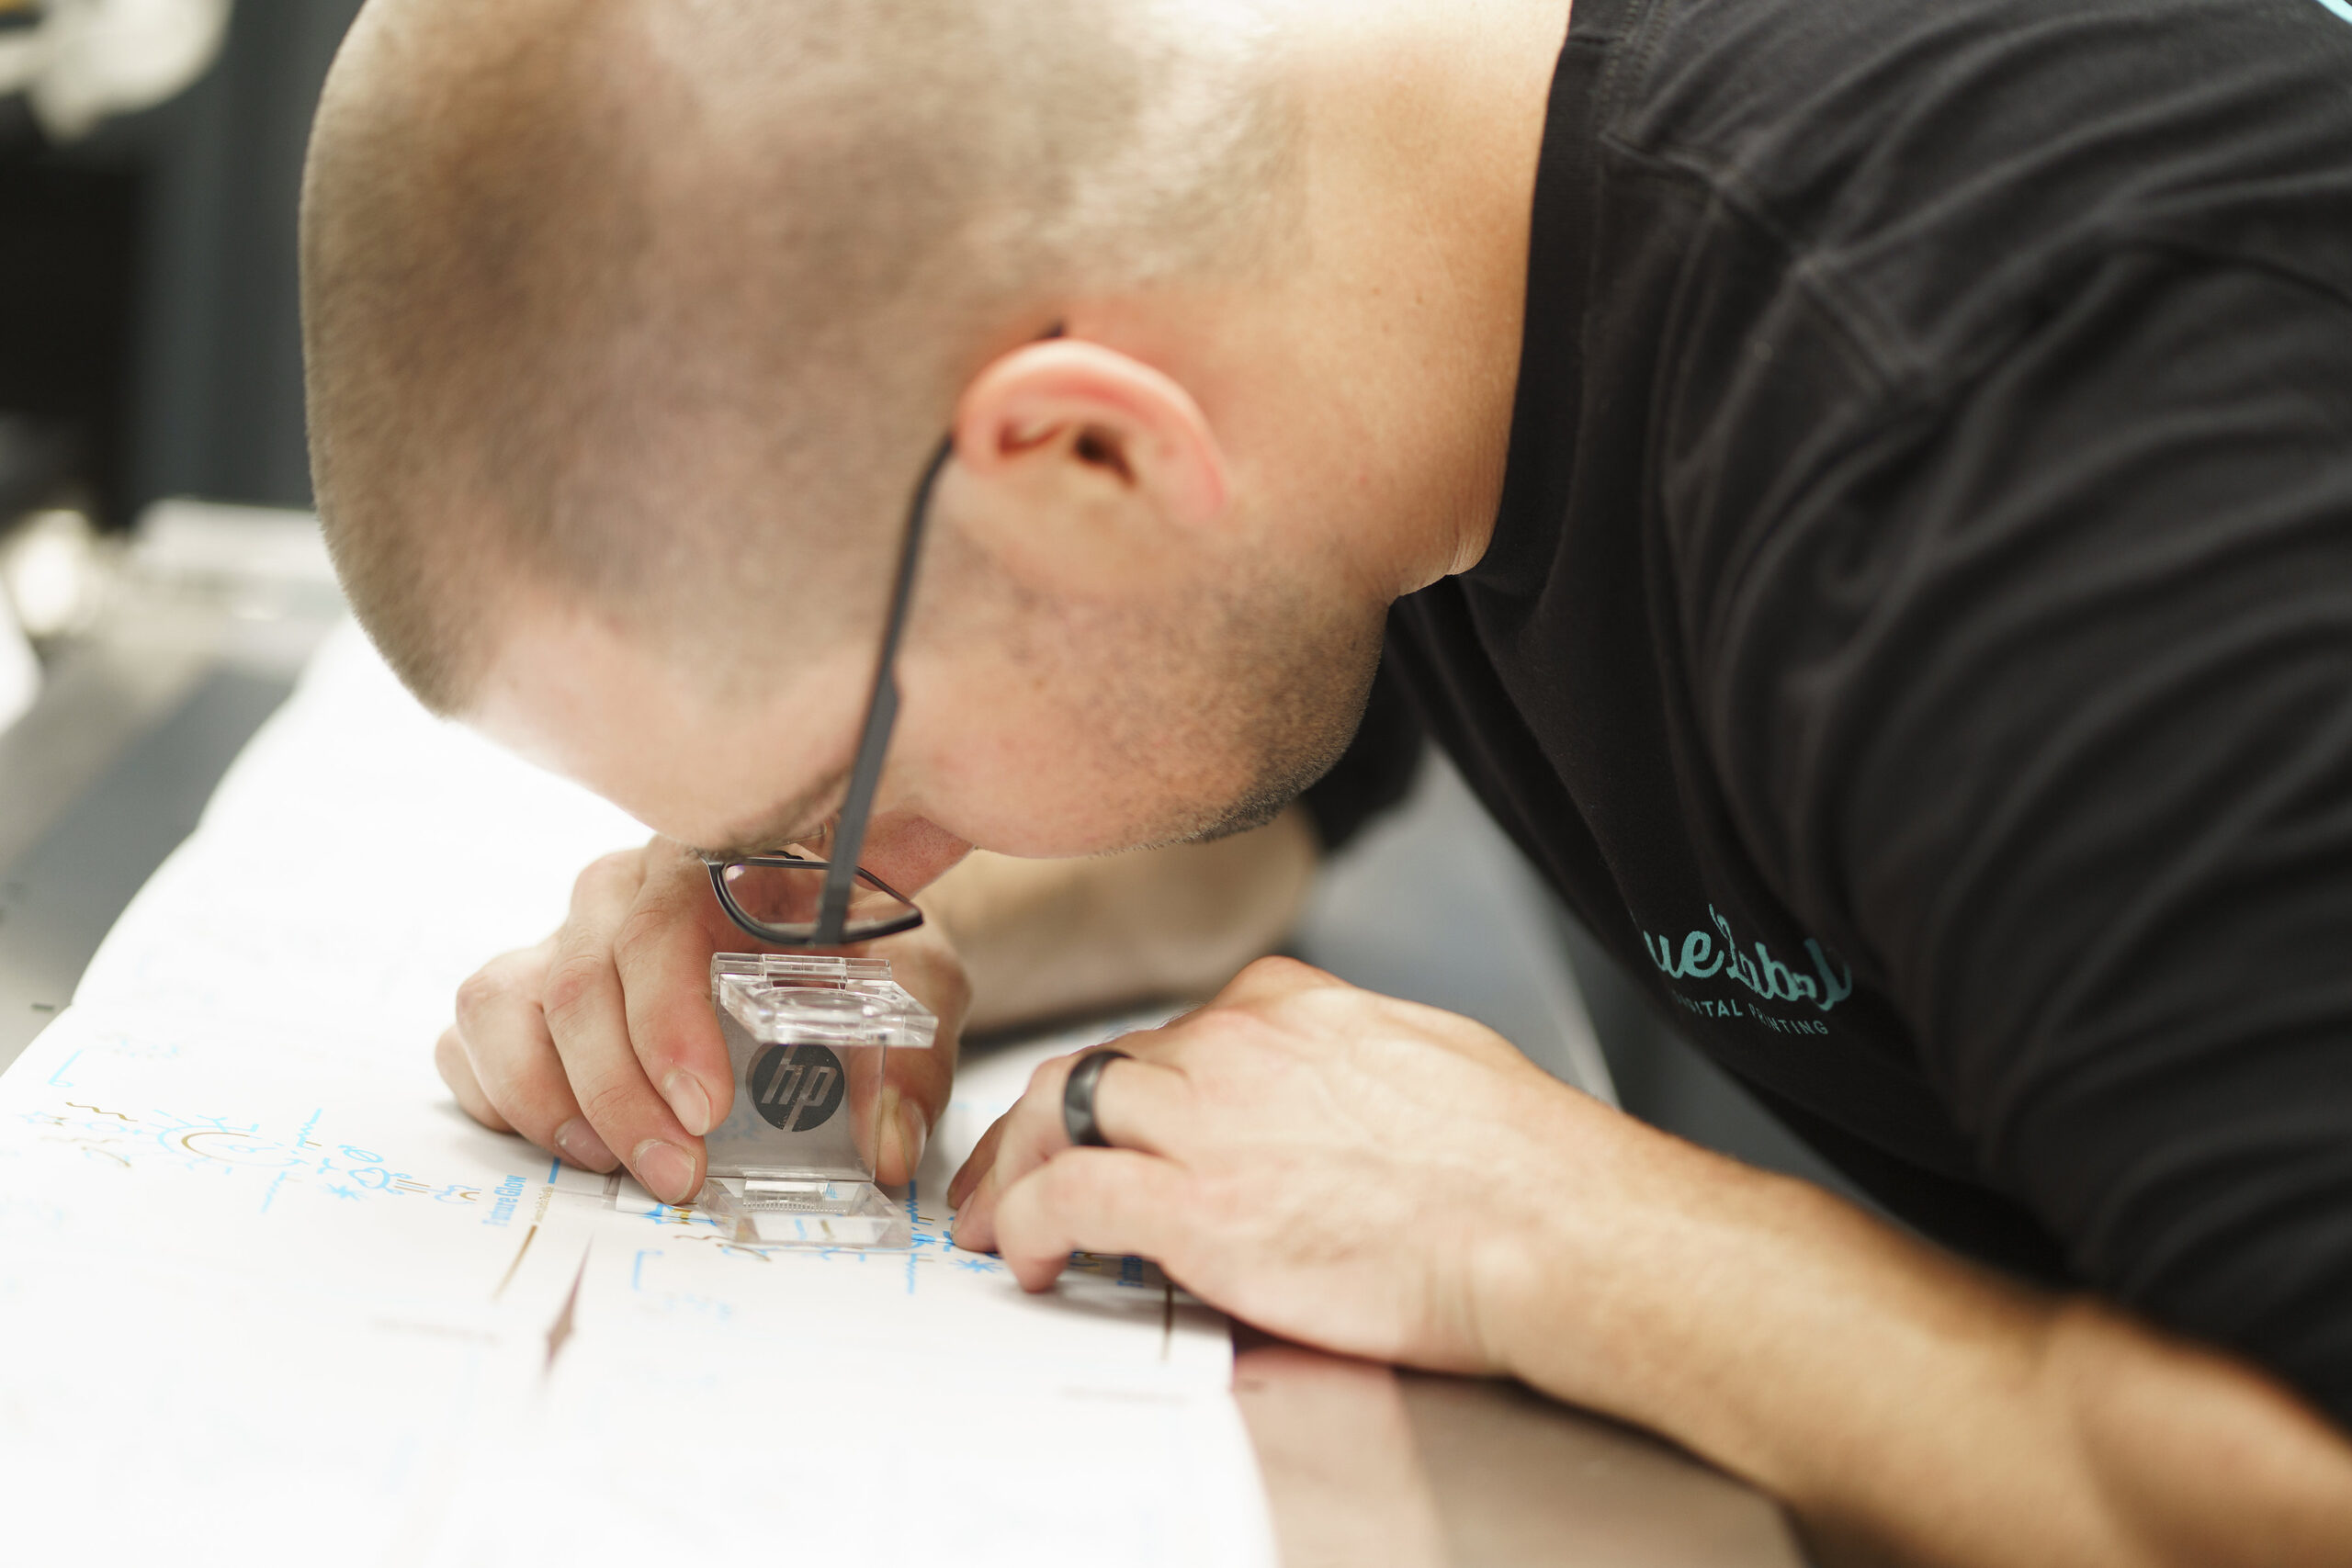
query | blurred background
[150, 345]
[149, 164]
[160, 583]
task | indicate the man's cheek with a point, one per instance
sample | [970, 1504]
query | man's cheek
[911, 853]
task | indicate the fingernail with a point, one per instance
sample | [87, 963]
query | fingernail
[667, 1171]
[687, 1101]
[577, 1141]
[959, 1189]
[962, 1211]
[913, 1133]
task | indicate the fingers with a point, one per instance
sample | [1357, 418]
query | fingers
[662, 951]
[920, 1081]
[1025, 1138]
[976, 1164]
[587, 1016]
[501, 1064]
[449, 1060]
[602, 1039]
[906, 1114]
[1139, 1105]
[1113, 1201]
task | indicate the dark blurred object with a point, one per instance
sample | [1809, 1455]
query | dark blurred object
[36, 460]
[218, 363]
[20, 131]
[162, 326]
[67, 270]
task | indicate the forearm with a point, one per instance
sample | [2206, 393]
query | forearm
[1044, 938]
[1908, 1407]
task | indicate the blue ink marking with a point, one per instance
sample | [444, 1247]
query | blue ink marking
[911, 1223]
[271, 1196]
[554, 1165]
[637, 1266]
[57, 1079]
[340, 1190]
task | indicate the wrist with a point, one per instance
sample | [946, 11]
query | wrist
[1546, 1268]
[1754, 1319]
[1617, 1286]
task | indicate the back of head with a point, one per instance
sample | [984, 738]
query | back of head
[655, 306]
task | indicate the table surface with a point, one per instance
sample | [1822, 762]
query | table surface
[1363, 1466]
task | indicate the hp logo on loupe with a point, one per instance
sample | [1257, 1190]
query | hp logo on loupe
[796, 1088]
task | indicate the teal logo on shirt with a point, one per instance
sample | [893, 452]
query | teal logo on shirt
[1704, 955]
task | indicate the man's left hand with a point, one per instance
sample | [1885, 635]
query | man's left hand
[1327, 1163]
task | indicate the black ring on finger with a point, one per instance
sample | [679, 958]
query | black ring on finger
[1078, 1098]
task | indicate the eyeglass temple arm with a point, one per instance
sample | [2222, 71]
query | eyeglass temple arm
[881, 713]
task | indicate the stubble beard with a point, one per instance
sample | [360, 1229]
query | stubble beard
[1299, 676]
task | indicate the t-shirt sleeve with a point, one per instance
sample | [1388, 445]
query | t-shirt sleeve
[2040, 700]
[1377, 770]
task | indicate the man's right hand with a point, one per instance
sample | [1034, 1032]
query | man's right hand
[600, 1045]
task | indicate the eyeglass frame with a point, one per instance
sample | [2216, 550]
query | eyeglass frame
[842, 871]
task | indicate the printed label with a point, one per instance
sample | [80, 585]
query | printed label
[1704, 955]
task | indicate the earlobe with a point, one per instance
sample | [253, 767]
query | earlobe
[1067, 401]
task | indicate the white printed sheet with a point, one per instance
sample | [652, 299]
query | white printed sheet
[251, 1252]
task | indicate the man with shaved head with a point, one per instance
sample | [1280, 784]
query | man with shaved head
[1863, 489]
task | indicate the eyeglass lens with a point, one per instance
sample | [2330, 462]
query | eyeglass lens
[783, 902]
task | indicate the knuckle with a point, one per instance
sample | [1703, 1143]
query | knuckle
[605, 874]
[1230, 1027]
[480, 992]
[574, 985]
[1280, 974]
[1282, 982]
[606, 1104]
[648, 924]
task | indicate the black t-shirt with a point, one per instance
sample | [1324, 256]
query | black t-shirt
[1917, 637]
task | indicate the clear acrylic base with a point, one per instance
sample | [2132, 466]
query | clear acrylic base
[783, 1213]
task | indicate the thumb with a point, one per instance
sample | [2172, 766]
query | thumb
[917, 1083]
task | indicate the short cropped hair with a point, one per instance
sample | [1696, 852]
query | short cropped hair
[658, 305]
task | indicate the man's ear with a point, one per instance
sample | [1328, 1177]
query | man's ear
[1065, 425]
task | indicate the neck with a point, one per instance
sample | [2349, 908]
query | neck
[1362, 385]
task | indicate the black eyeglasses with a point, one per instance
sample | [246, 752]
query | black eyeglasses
[788, 899]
